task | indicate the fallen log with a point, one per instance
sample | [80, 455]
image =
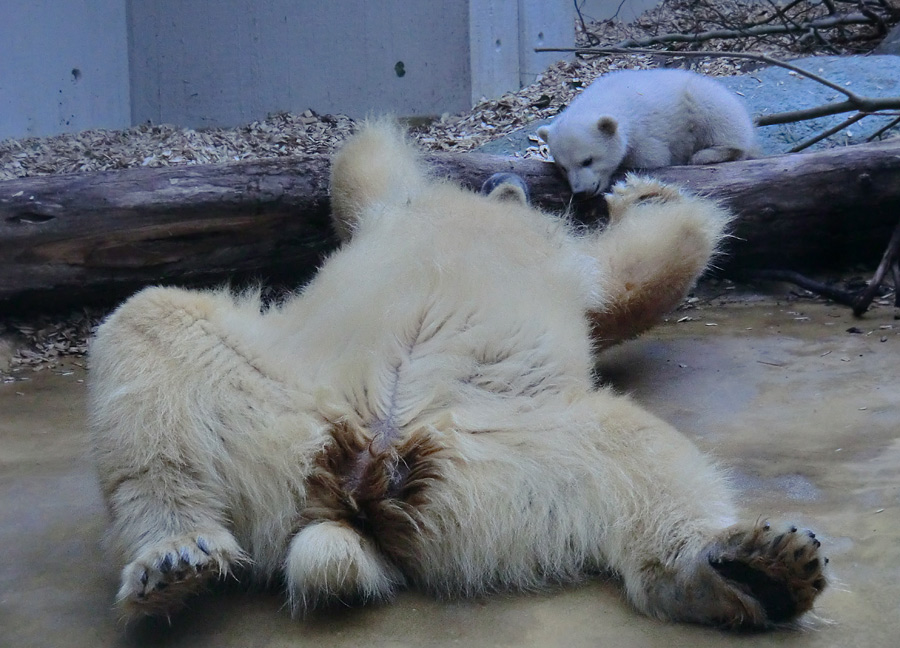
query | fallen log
[98, 236]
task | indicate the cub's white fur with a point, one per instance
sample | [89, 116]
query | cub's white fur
[423, 414]
[643, 119]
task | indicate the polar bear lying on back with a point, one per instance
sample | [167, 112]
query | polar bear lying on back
[643, 119]
[424, 414]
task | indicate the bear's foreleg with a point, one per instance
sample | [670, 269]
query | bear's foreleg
[658, 242]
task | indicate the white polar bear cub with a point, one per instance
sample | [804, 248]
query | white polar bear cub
[423, 414]
[645, 119]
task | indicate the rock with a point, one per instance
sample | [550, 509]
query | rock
[518, 140]
[891, 42]
[774, 89]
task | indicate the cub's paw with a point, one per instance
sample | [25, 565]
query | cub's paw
[634, 190]
[719, 154]
[781, 570]
[166, 573]
[506, 186]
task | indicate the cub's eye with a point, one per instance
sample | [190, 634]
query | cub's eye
[588, 162]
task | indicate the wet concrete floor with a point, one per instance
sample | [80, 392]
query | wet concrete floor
[805, 414]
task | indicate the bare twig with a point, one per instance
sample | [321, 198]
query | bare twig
[828, 133]
[867, 105]
[786, 20]
[888, 261]
[592, 38]
[881, 131]
[757, 30]
[895, 274]
[875, 18]
[784, 9]
[859, 301]
[763, 58]
[837, 295]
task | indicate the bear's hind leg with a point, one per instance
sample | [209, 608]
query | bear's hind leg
[673, 543]
[746, 577]
[175, 407]
[165, 573]
[602, 484]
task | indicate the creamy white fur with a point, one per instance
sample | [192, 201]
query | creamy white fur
[644, 119]
[449, 315]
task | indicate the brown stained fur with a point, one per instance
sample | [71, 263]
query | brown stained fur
[381, 494]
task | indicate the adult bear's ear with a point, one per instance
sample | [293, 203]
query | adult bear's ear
[607, 125]
[544, 133]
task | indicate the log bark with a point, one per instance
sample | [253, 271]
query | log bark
[98, 236]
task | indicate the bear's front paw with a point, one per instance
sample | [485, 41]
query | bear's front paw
[166, 573]
[782, 570]
[634, 190]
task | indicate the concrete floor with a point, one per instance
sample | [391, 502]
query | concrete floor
[806, 414]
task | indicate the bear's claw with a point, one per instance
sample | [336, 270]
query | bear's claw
[166, 573]
[782, 571]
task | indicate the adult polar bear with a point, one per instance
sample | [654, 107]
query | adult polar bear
[423, 414]
[644, 119]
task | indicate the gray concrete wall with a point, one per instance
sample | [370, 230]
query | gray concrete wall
[543, 23]
[623, 10]
[493, 43]
[63, 66]
[226, 62]
[68, 65]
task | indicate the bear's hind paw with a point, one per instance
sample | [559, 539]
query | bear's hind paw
[781, 570]
[165, 574]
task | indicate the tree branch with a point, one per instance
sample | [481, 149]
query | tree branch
[763, 58]
[828, 133]
[757, 30]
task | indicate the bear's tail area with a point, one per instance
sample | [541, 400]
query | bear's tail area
[364, 514]
[377, 167]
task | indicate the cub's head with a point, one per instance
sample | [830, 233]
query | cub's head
[587, 150]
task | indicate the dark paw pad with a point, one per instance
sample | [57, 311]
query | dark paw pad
[781, 570]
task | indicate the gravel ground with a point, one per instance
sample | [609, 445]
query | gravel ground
[39, 343]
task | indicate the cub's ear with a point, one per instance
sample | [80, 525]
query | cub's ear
[544, 133]
[607, 125]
